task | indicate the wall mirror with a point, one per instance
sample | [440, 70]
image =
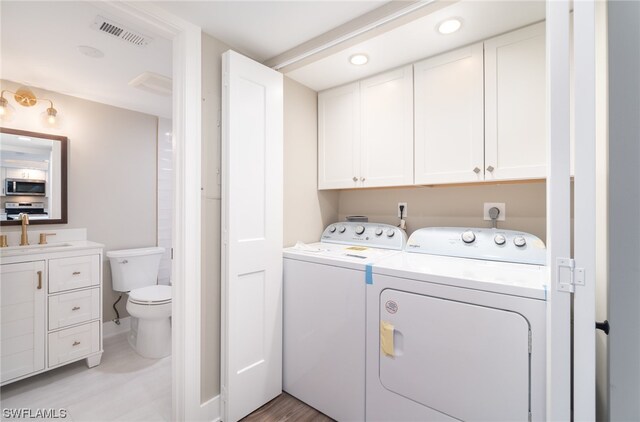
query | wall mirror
[33, 171]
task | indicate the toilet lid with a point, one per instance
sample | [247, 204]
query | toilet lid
[151, 294]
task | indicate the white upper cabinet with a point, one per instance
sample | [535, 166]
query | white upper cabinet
[339, 137]
[386, 129]
[515, 105]
[365, 132]
[449, 121]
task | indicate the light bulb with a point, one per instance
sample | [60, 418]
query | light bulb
[51, 115]
[359, 59]
[449, 26]
[2, 110]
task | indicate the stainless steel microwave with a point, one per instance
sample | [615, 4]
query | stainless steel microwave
[25, 187]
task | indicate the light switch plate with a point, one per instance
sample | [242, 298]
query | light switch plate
[500, 205]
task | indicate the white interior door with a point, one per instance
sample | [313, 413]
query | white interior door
[252, 188]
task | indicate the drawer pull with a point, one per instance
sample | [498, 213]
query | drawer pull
[76, 343]
[75, 308]
[39, 280]
[76, 273]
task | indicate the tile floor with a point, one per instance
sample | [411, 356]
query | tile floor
[124, 387]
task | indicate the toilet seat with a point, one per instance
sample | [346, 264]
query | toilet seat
[151, 295]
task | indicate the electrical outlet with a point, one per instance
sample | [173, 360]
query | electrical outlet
[404, 213]
[500, 205]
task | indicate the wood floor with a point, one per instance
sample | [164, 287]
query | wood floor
[286, 408]
[124, 387]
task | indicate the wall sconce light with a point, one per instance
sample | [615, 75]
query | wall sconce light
[26, 98]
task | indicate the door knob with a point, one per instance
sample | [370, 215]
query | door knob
[476, 170]
[490, 169]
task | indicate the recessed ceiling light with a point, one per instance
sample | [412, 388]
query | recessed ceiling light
[449, 26]
[92, 52]
[359, 59]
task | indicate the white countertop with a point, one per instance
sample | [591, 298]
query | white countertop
[51, 247]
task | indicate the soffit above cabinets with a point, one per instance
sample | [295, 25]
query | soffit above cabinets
[420, 39]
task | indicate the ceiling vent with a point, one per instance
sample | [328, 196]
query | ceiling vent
[117, 30]
[152, 82]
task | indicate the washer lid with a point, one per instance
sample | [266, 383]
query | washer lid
[151, 294]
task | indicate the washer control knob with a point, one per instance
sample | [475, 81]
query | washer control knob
[519, 241]
[332, 229]
[342, 229]
[468, 237]
[379, 231]
[500, 239]
[390, 232]
[359, 230]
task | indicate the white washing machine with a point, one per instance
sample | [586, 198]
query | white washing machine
[324, 306]
[456, 328]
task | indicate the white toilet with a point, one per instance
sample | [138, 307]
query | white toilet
[149, 304]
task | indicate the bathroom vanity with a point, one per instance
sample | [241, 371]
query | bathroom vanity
[51, 308]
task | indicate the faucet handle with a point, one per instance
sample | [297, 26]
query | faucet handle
[43, 238]
[3, 241]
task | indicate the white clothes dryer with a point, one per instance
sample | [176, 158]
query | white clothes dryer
[324, 306]
[456, 328]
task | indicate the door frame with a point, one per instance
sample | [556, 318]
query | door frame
[186, 273]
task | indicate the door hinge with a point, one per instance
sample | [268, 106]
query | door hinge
[171, 253]
[223, 394]
[530, 342]
[569, 275]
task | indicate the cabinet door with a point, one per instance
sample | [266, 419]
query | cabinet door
[515, 114]
[22, 306]
[339, 137]
[449, 126]
[15, 173]
[386, 103]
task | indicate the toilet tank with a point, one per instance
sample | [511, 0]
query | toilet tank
[134, 268]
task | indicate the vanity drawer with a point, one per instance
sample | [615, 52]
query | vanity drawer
[73, 273]
[73, 308]
[74, 343]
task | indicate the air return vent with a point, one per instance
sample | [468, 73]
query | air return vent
[120, 31]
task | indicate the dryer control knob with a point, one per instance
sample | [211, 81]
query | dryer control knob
[332, 229]
[500, 239]
[468, 237]
[359, 230]
[519, 241]
[390, 232]
[342, 229]
[379, 231]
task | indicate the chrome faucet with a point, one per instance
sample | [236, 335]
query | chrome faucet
[24, 237]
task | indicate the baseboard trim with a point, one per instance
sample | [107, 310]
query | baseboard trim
[210, 410]
[110, 328]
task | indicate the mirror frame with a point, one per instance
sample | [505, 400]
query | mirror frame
[63, 175]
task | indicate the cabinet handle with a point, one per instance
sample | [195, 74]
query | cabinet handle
[76, 273]
[476, 170]
[490, 169]
[39, 280]
[355, 179]
[362, 179]
[75, 343]
[75, 308]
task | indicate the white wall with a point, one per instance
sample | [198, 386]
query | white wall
[111, 173]
[307, 211]
[456, 206]
[624, 209]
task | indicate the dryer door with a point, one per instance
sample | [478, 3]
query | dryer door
[467, 361]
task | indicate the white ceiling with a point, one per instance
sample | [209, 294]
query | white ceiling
[420, 39]
[39, 49]
[265, 29]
